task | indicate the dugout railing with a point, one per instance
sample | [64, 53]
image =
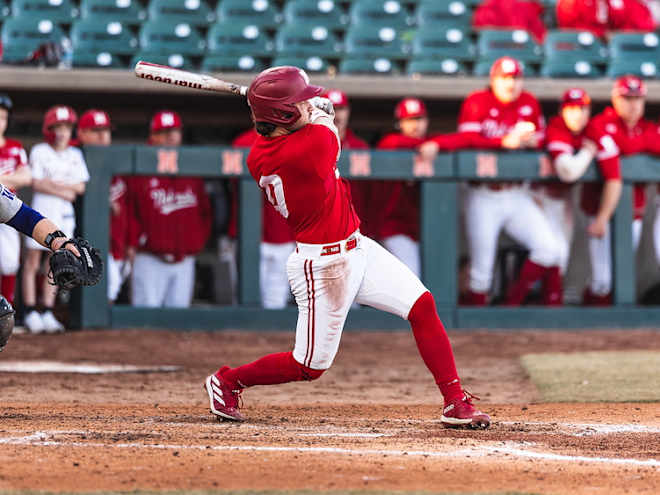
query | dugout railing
[439, 238]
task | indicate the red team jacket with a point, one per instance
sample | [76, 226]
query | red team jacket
[299, 177]
[12, 156]
[274, 228]
[169, 216]
[600, 16]
[119, 217]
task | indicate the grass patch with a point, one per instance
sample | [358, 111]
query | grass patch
[607, 376]
[266, 492]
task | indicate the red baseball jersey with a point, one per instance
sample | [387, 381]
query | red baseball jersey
[274, 228]
[12, 156]
[361, 190]
[398, 200]
[119, 217]
[169, 216]
[511, 14]
[298, 174]
[600, 16]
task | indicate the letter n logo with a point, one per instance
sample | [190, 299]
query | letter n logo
[486, 165]
[232, 162]
[360, 163]
[168, 161]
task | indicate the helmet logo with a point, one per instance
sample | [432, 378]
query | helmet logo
[99, 119]
[576, 94]
[412, 106]
[508, 66]
[167, 120]
[62, 113]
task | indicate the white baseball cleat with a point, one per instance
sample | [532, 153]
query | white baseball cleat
[51, 325]
[34, 323]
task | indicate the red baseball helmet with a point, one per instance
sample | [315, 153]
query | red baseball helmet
[575, 97]
[506, 66]
[410, 108]
[57, 115]
[273, 94]
[94, 119]
[630, 85]
[165, 119]
[337, 97]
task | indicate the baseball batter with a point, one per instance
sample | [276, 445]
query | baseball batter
[294, 163]
[15, 174]
[59, 175]
[509, 118]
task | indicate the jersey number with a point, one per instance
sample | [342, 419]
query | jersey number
[272, 186]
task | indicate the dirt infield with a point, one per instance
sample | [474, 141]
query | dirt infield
[371, 423]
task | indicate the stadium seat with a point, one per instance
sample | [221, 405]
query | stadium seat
[262, 13]
[443, 42]
[171, 37]
[307, 40]
[21, 36]
[238, 39]
[99, 36]
[570, 69]
[437, 66]
[193, 12]
[493, 44]
[374, 42]
[85, 58]
[232, 63]
[176, 60]
[128, 12]
[648, 69]
[379, 13]
[358, 65]
[58, 11]
[310, 64]
[574, 46]
[443, 13]
[635, 46]
[326, 13]
[482, 68]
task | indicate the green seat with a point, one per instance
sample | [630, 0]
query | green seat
[436, 66]
[176, 60]
[262, 13]
[443, 13]
[374, 42]
[326, 13]
[577, 69]
[125, 11]
[574, 46]
[517, 43]
[58, 11]
[232, 63]
[431, 42]
[366, 65]
[482, 67]
[100, 36]
[648, 69]
[307, 40]
[193, 12]
[379, 13]
[86, 58]
[309, 64]
[634, 46]
[171, 37]
[236, 39]
[21, 36]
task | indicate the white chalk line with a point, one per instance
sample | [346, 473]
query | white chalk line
[38, 439]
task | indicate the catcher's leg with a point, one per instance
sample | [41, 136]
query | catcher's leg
[6, 322]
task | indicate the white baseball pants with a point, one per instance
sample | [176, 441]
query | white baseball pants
[559, 213]
[326, 286]
[600, 255]
[273, 279]
[487, 212]
[118, 271]
[406, 249]
[157, 283]
[10, 250]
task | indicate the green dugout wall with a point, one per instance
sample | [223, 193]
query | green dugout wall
[439, 231]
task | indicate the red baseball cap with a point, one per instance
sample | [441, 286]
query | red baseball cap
[410, 108]
[506, 66]
[165, 119]
[337, 97]
[94, 119]
[630, 85]
[575, 97]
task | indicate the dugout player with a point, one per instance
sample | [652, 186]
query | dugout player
[294, 162]
[604, 16]
[509, 118]
[14, 174]
[95, 129]
[59, 175]
[169, 223]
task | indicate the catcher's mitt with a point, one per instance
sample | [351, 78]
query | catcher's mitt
[68, 271]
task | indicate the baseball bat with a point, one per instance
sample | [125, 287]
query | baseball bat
[185, 79]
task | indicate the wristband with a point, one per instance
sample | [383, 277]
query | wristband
[52, 236]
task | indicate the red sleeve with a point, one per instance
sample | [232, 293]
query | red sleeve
[608, 153]
[388, 142]
[132, 207]
[324, 144]
[558, 140]
[245, 139]
[652, 138]
[575, 14]
[633, 15]
[469, 124]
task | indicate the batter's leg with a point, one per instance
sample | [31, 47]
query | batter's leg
[406, 249]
